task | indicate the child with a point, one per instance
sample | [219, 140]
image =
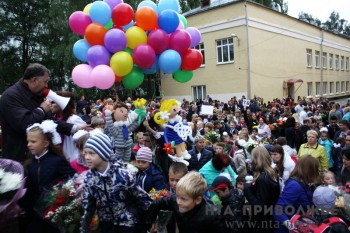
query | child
[192, 212]
[98, 123]
[328, 178]
[149, 175]
[328, 144]
[46, 168]
[111, 190]
[240, 180]
[219, 147]
[232, 200]
[79, 138]
[138, 144]
[176, 171]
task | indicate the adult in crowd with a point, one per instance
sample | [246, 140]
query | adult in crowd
[345, 171]
[333, 127]
[199, 155]
[81, 104]
[344, 126]
[316, 150]
[22, 105]
[240, 157]
[281, 162]
[346, 114]
[263, 129]
[297, 192]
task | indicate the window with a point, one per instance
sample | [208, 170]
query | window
[347, 86]
[308, 57]
[317, 59]
[225, 50]
[347, 64]
[330, 61]
[200, 47]
[199, 92]
[336, 62]
[309, 88]
[336, 87]
[324, 60]
[324, 88]
[318, 88]
[342, 86]
[331, 87]
[342, 62]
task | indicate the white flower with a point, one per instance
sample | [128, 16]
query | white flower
[132, 168]
[9, 181]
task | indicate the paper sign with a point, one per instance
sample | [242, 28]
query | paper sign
[246, 102]
[207, 110]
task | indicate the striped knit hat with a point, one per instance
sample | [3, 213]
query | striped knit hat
[101, 144]
[144, 154]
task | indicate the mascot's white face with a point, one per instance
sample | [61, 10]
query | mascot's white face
[174, 111]
[120, 114]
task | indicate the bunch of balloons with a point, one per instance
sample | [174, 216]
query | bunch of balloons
[121, 45]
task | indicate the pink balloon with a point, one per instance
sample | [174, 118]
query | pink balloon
[159, 40]
[180, 41]
[81, 76]
[144, 56]
[103, 77]
[181, 26]
[78, 21]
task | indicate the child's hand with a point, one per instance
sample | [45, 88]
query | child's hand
[154, 228]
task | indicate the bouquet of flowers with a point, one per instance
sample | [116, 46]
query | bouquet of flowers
[163, 215]
[212, 137]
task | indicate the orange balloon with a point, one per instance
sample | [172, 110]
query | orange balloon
[146, 18]
[95, 33]
[118, 79]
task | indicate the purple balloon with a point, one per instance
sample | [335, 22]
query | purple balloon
[98, 55]
[113, 3]
[144, 56]
[115, 40]
[180, 41]
[159, 40]
[195, 36]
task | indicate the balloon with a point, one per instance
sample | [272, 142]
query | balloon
[121, 63]
[134, 79]
[168, 5]
[103, 77]
[87, 8]
[144, 56]
[78, 22]
[169, 61]
[183, 76]
[100, 12]
[122, 14]
[168, 20]
[80, 49]
[191, 60]
[95, 33]
[118, 79]
[183, 20]
[115, 40]
[113, 3]
[148, 3]
[195, 36]
[98, 55]
[159, 40]
[128, 50]
[109, 25]
[146, 18]
[180, 40]
[135, 36]
[129, 25]
[153, 69]
[81, 76]
[181, 26]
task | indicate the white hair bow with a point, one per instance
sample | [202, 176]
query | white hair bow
[48, 126]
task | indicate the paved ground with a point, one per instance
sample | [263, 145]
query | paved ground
[343, 101]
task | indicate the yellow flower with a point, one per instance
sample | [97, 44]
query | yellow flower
[138, 103]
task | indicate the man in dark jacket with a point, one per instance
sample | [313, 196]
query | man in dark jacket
[22, 105]
[199, 155]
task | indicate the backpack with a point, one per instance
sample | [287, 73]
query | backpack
[307, 224]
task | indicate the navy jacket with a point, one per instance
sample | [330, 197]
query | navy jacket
[152, 177]
[195, 165]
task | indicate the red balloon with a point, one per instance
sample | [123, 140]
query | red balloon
[118, 79]
[159, 40]
[180, 41]
[192, 59]
[95, 33]
[122, 14]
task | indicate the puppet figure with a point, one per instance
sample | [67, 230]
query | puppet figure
[174, 129]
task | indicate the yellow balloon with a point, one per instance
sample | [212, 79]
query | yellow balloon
[87, 9]
[121, 63]
[157, 118]
[135, 36]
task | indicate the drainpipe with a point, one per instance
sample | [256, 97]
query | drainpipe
[248, 54]
[322, 65]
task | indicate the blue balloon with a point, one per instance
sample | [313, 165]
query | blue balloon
[153, 69]
[169, 61]
[80, 50]
[168, 20]
[129, 25]
[100, 12]
[168, 5]
[148, 3]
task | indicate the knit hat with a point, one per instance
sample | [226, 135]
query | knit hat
[101, 144]
[324, 197]
[144, 154]
[220, 182]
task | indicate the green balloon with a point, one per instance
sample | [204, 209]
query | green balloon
[128, 50]
[183, 76]
[183, 20]
[134, 79]
[109, 25]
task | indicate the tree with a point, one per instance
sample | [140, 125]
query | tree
[278, 5]
[336, 24]
[309, 19]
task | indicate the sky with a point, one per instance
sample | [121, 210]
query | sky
[320, 9]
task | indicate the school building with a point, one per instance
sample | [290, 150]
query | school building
[250, 49]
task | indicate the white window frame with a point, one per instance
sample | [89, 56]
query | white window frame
[309, 89]
[318, 88]
[347, 86]
[225, 47]
[330, 61]
[331, 88]
[199, 92]
[308, 57]
[337, 87]
[336, 62]
[324, 60]
[342, 63]
[317, 59]
[324, 92]
[201, 49]
[342, 86]
[347, 64]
